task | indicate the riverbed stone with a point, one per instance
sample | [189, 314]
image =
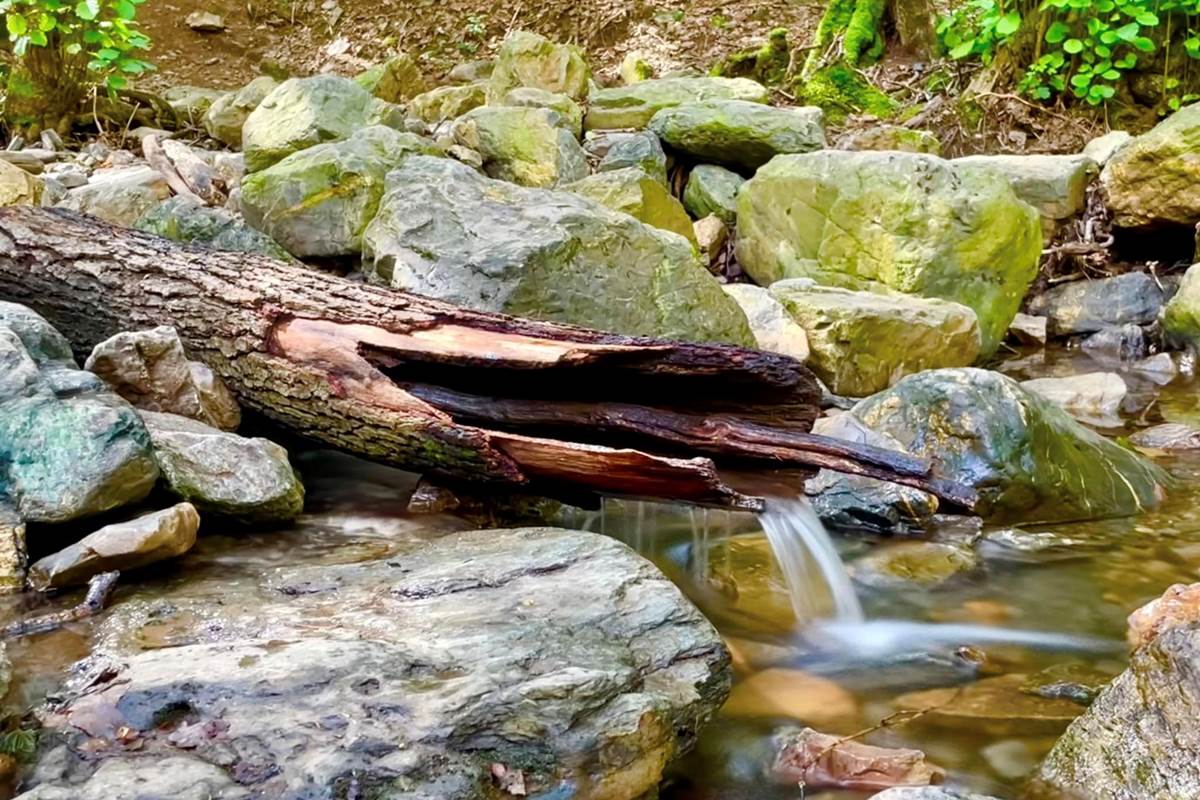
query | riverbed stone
[1155, 179]
[150, 369]
[71, 448]
[1168, 436]
[1092, 397]
[318, 201]
[447, 102]
[525, 146]
[1027, 458]
[1138, 740]
[397, 80]
[302, 112]
[223, 473]
[1029, 330]
[927, 793]
[148, 539]
[182, 219]
[1089, 306]
[863, 342]
[1055, 185]
[559, 658]
[1117, 343]
[225, 117]
[774, 329]
[621, 149]
[634, 105]
[121, 196]
[739, 132]
[912, 565]
[909, 222]
[1181, 317]
[713, 190]
[543, 254]
[631, 191]
[526, 59]
[530, 97]
[992, 706]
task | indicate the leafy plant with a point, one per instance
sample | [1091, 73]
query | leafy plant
[20, 743]
[474, 33]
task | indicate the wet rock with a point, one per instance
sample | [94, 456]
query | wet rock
[543, 254]
[558, 654]
[148, 539]
[303, 112]
[447, 102]
[635, 193]
[225, 117]
[168, 776]
[1027, 458]
[1076, 682]
[1014, 544]
[120, 196]
[1138, 740]
[1168, 436]
[1093, 398]
[912, 564]
[396, 80]
[223, 473]
[1118, 343]
[1089, 306]
[1011, 759]
[862, 342]
[790, 693]
[992, 706]
[528, 60]
[891, 137]
[820, 761]
[18, 187]
[192, 102]
[619, 150]
[182, 219]
[150, 370]
[774, 329]
[318, 201]
[711, 236]
[927, 793]
[205, 22]
[1179, 606]
[13, 556]
[1055, 185]
[633, 106]
[564, 106]
[1154, 179]
[1029, 330]
[912, 223]
[525, 146]
[713, 190]
[739, 132]
[1181, 317]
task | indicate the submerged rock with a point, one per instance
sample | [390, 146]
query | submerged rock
[992, 706]
[1094, 397]
[863, 342]
[634, 105]
[302, 112]
[181, 219]
[225, 117]
[912, 223]
[447, 232]
[739, 132]
[713, 190]
[821, 761]
[559, 657]
[1155, 178]
[635, 193]
[789, 693]
[150, 370]
[121, 546]
[1168, 436]
[907, 565]
[1027, 458]
[621, 149]
[527, 59]
[1088, 306]
[1119, 343]
[223, 473]
[318, 201]
[525, 146]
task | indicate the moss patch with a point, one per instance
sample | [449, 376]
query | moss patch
[840, 91]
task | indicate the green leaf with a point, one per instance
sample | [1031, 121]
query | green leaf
[1147, 18]
[1110, 74]
[74, 49]
[1008, 24]
[1073, 46]
[1057, 32]
[87, 9]
[17, 25]
[963, 50]
[125, 9]
[1127, 33]
[1080, 80]
[116, 82]
[108, 54]
[1146, 45]
[46, 23]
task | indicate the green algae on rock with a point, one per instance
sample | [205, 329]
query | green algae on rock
[447, 102]
[182, 219]
[905, 221]
[1028, 459]
[635, 105]
[529, 97]
[713, 190]
[396, 80]
[224, 119]
[738, 132]
[525, 146]
[635, 193]
[1181, 317]
[1155, 179]
[527, 59]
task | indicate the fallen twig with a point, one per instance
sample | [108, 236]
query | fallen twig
[99, 589]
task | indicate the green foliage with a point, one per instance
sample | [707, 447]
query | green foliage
[858, 23]
[473, 34]
[841, 91]
[1082, 48]
[102, 31]
[21, 744]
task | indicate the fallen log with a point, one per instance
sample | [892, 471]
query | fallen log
[409, 381]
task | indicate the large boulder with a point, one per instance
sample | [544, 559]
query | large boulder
[318, 201]
[1028, 459]
[447, 102]
[713, 190]
[631, 191]
[1089, 306]
[529, 97]
[223, 473]
[618, 150]
[150, 370]
[774, 329]
[1056, 185]
[303, 112]
[445, 231]
[528, 60]
[397, 80]
[121, 196]
[1181, 317]
[226, 115]
[539, 659]
[18, 187]
[909, 222]
[738, 132]
[635, 105]
[69, 447]
[863, 342]
[183, 219]
[1155, 179]
[526, 146]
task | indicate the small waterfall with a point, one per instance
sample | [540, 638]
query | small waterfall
[814, 573]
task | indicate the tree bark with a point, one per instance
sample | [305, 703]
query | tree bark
[405, 380]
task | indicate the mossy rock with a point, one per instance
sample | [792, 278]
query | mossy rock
[635, 193]
[841, 91]
[528, 60]
[767, 64]
[182, 219]
[633, 106]
[224, 119]
[713, 190]
[526, 146]
[448, 102]
[1181, 317]
[397, 80]
[739, 133]
[530, 97]
[622, 149]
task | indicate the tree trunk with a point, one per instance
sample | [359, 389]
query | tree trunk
[404, 380]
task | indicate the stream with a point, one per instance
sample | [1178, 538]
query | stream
[813, 643]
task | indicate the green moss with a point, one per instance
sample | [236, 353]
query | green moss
[863, 42]
[767, 64]
[841, 91]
